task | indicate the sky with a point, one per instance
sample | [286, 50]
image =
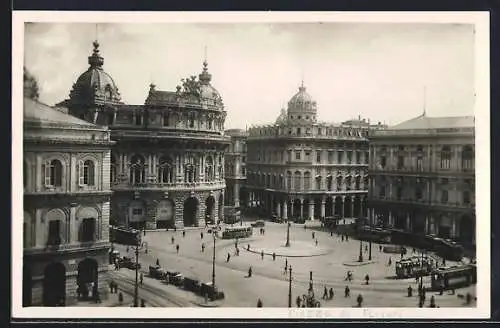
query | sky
[379, 71]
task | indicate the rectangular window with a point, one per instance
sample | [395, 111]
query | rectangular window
[297, 155]
[466, 197]
[382, 192]
[166, 120]
[330, 157]
[399, 193]
[137, 211]
[418, 194]
[298, 130]
[138, 119]
[349, 157]
[318, 156]
[340, 157]
[444, 196]
[244, 159]
[358, 157]
[383, 161]
[307, 156]
[401, 162]
[243, 171]
[54, 232]
[420, 164]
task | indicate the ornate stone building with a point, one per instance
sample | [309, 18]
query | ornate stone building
[236, 175]
[298, 167]
[66, 206]
[423, 175]
[167, 167]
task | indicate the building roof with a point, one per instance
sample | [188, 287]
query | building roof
[35, 111]
[426, 122]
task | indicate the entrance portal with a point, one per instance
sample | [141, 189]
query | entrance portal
[54, 285]
[210, 209]
[329, 206]
[87, 279]
[190, 212]
[165, 214]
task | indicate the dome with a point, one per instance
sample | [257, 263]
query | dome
[207, 91]
[302, 101]
[95, 85]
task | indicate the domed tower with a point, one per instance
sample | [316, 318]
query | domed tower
[301, 107]
[94, 95]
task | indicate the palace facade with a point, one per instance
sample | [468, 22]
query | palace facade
[167, 166]
[422, 176]
[236, 171]
[298, 167]
[67, 195]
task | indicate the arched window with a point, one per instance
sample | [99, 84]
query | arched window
[88, 230]
[54, 236]
[318, 182]
[307, 181]
[329, 182]
[467, 158]
[137, 170]
[191, 121]
[297, 182]
[348, 182]
[209, 169]
[166, 170]
[190, 170]
[445, 157]
[86, 173]
[357, 183]
[339, 183]
[289, 180]
[53, 173]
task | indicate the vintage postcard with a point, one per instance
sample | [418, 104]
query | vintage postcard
[251, 165]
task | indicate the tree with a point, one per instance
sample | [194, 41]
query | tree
[31, 89]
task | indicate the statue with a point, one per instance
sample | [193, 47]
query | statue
[191, 86]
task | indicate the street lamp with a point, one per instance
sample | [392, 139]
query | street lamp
[136, 286]
[287, 235]
[370, 241]
[213, 269]
[360, 258]
[290, 289]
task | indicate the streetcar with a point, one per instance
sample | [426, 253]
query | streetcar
[414, 266]
[124, 236]
[377, 235]
[453, 277]
[237, 232]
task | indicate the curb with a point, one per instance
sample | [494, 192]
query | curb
[350, 264]
[292, 256]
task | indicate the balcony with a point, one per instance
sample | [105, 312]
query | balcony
[206, 185]
[67, 247]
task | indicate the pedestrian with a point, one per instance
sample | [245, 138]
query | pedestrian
[157, 262]
[284, 272]
[347, 291]
[305, 227]
[316, 242]
[236, 244]
[141, 278]
[380, 248]
[128, 249]
[249, 272]
[120, 298]
[468, 298]
[325, 293]
[248, 247]
[331, 233]
[444, 262]
[177, 248]
[262, 255]
[173, 239]
[274, 256]
[259, 303]
[367, 279]
[183, 233]
[346, 237]
[202, 247]
[143, 303]
[228, 257]
[410, 291]
[432, 302]
[390, 262]
[237, 252]
[298, 301]
[331, 293]
[342, 237]
[175, 229]
[313, 234]
[201, 235]
[359, 300]
[111, 286]
[286, 263]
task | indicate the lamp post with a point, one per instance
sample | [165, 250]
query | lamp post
[213, 269]
[360, 258]
[290, 289]
[136, 286]
[287, 235]
[370, 241]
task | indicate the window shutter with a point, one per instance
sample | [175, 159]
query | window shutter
[80, 174]
[91, 174]
[46, 169]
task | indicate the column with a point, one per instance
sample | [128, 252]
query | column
[426, 225]
[285, 210]
[352, 206]
[408, 226]
[301, 214]
[278, 209]
[311, 210]
[236, 195]
[390, 219]
[372, 218]
[333, 206]
[360, 208]
[342, 207]
[453, 227]
[323, 203]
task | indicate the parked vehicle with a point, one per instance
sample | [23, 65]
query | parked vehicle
[113, 254]
[258, 224]
[237, 232]
[175, 278]
[192, 285]
[212, 293]
[277, 219]
[157, 272]
[126, 262]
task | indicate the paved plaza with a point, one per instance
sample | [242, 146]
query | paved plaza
[329, 262]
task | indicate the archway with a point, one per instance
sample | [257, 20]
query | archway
[444, 230]
[190, 212]
[243, 197]
[296, 208]
[87, 279]
[418, 223]
[136, 214]
[221, 206]
[317, 207]
[27, 286]
[329, 206]
[400, 220]
[210, 209]
[54, 285]
[338, 206]
[365, 206]
[274, 207]
[467, 229]
[348, 207]
[357, 208]
[165, 214]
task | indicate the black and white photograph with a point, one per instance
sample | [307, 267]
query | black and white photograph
[227, 165]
